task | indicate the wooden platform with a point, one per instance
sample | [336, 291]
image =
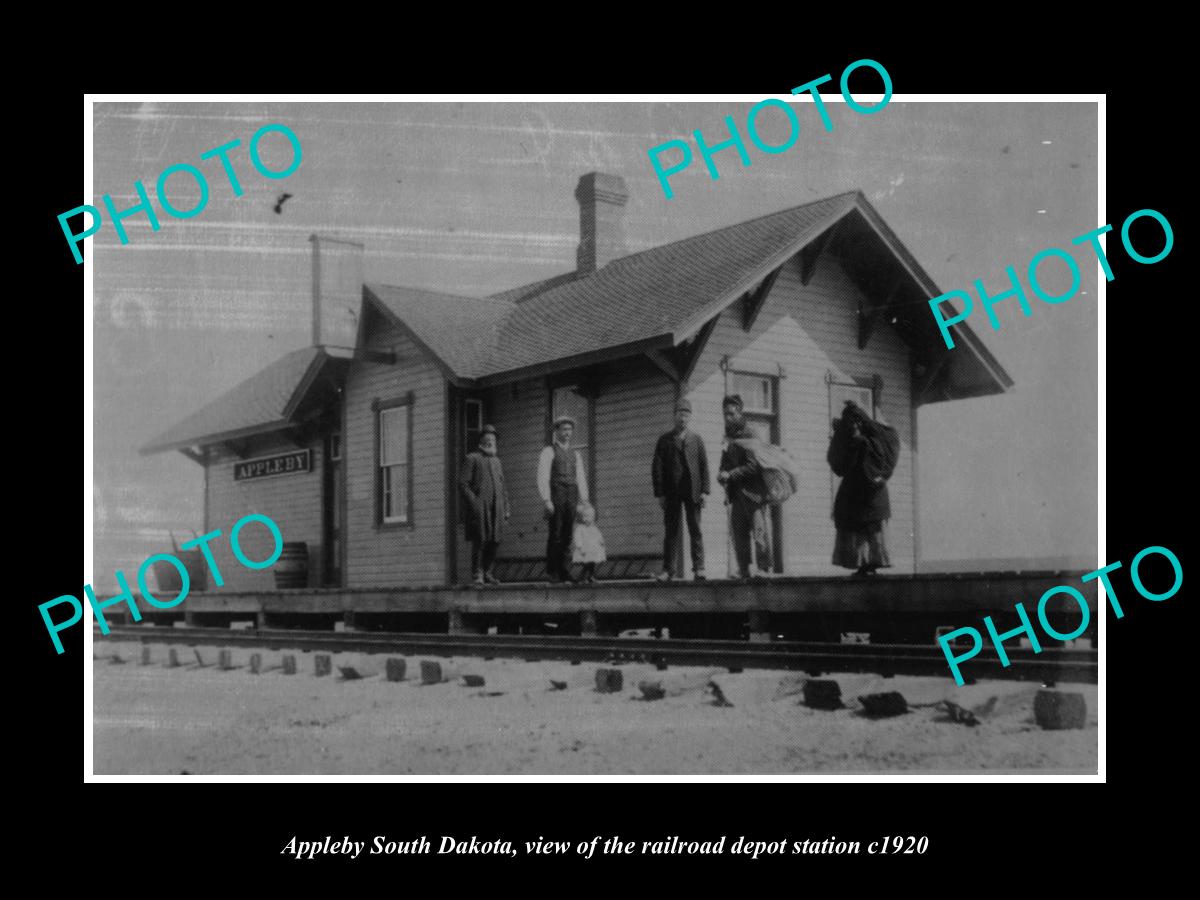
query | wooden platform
[839, 602]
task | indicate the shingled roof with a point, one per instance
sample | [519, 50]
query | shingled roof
[461, 332]
[263, 402]
[658, 297]
[658, 293]
[655, 298]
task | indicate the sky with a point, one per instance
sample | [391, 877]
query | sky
[475, 198]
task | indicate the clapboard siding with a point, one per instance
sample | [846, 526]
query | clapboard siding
[293, 502]
[519, 414]
[631, 412]
[634, 406]
[395, 555]
[808, 330]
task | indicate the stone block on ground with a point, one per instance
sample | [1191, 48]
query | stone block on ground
[889, 703]
[609, 681]
[432, 672]
[651, 690]
[473, 680]
[822, 693]
[225, 659]
[322, 664]
[397, 668]
[289, 664]
[1057, 710]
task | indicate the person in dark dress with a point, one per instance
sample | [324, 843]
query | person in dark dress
[746, 494]
[681, 480]
[482, 486]
[863, 452]
[562, 483]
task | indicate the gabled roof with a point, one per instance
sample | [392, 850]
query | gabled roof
[262, 403]
[656, 298]
[663, 292]
[458, 331]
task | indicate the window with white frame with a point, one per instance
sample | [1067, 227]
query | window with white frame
[757, 392]
[395, 426]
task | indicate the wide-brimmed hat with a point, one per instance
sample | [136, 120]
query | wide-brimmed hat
[488, 429]
[564, 419]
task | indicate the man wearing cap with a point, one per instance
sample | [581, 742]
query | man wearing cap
[680, 476]
[741, 475]
[482, 486]
[562, 483]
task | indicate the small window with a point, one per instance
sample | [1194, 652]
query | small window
[756, 391]
[394, 439]
[335, 446]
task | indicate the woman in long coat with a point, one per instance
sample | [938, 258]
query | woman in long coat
[482, 486]
[863, 452]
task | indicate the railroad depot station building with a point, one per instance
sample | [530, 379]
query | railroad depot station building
[353, 444]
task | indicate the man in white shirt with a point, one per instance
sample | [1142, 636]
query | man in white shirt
[562, 483]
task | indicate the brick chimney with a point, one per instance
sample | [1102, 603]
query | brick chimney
[602, 198]
[337, 289]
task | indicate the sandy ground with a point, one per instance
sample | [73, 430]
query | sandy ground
[201, 720]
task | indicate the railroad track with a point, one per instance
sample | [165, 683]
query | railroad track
[1049, 667]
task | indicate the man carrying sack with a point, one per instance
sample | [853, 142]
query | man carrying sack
[741, 476]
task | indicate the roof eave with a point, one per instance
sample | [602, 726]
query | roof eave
[218, 438]
[458, 379]
[698, 320]
[578, 360]
[929, 286]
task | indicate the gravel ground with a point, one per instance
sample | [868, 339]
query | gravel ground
[201, 720]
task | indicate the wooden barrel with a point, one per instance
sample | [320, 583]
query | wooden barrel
[197, 568]
[193, 560]
[168, 579]
[291, 569]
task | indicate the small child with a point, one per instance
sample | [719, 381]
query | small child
[587, 543]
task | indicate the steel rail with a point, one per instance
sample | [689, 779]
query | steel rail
[1050, 666]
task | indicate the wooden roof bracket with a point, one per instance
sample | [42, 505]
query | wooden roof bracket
[810, 254]
[697, 347]
[752, 302]
[663, 362]
[867, 318]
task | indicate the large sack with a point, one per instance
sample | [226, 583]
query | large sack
[777, 466]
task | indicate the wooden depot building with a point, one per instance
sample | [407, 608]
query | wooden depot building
[352, 445]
